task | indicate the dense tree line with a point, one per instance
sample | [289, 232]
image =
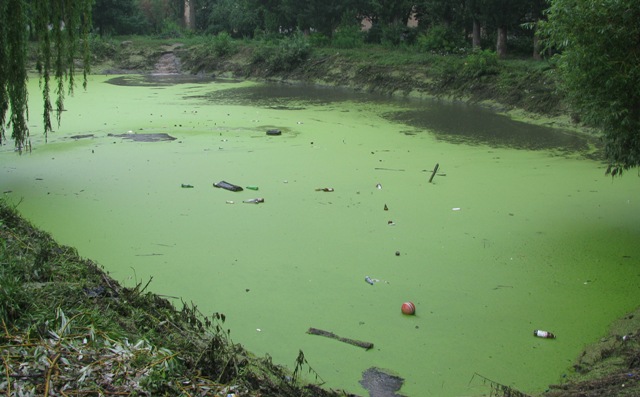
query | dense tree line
[446, 24]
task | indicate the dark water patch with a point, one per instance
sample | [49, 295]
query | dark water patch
[153, 137]
[460, 123]
[138, 80]
[287, 97]
[83, 136]
[280, 107]
[380, 383]
[452, 122]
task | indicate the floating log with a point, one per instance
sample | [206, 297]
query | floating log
[435, 169]
[364, 345]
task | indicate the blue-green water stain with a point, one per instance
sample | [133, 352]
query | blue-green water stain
[541, 241]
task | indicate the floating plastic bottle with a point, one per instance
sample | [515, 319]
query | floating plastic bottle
[324, 189]
[186, 186]
[368, 280]
[543, 334]
[254, 201]
[252, 187]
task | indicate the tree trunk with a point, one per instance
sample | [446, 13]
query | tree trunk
[476, 35]
[536, 47]
[501, 45]
[189, 15]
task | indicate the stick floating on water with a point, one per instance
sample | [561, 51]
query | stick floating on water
[364, 345]
[435, 169]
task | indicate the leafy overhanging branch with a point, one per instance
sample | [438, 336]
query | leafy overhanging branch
[58, 27]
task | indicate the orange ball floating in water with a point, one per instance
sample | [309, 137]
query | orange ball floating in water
[408, 308]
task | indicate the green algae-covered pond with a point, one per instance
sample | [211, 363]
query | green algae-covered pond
[518, 231]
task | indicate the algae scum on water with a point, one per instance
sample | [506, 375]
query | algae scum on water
[502, 242]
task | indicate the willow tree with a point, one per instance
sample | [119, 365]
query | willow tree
[58, 29]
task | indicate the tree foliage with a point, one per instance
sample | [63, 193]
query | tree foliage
[57, 27]
[600, 67]
[118, 17]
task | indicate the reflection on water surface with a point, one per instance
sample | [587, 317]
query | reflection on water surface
[453, 122]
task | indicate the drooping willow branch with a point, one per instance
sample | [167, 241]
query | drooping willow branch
[59, 27]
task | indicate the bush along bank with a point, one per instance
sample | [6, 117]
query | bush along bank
[70, 329]
[479, 77]
[395, 70]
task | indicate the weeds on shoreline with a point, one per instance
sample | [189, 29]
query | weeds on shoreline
[67, 328]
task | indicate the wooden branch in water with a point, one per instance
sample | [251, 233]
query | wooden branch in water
[364, 345]
[498, 389]
[435, 169]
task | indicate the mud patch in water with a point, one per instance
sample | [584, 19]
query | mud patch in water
[159, 80]
[286, 96]
[154, 137]
[83, 136]
[380, 383]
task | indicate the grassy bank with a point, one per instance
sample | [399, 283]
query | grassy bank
[524, 85]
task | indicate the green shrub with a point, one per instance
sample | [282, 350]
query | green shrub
[317, 39]
[374, 34]
[398, 34]
[285, 54]
[222, 44]
[349, 36]
[481, 63]
[170, 30]
[441, 39]
[102, 47]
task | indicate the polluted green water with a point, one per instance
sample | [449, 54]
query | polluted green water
[511, 235]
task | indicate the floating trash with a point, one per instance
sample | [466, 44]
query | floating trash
[543, 334]
[228, 186]
[408, 308]
[370, 280]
